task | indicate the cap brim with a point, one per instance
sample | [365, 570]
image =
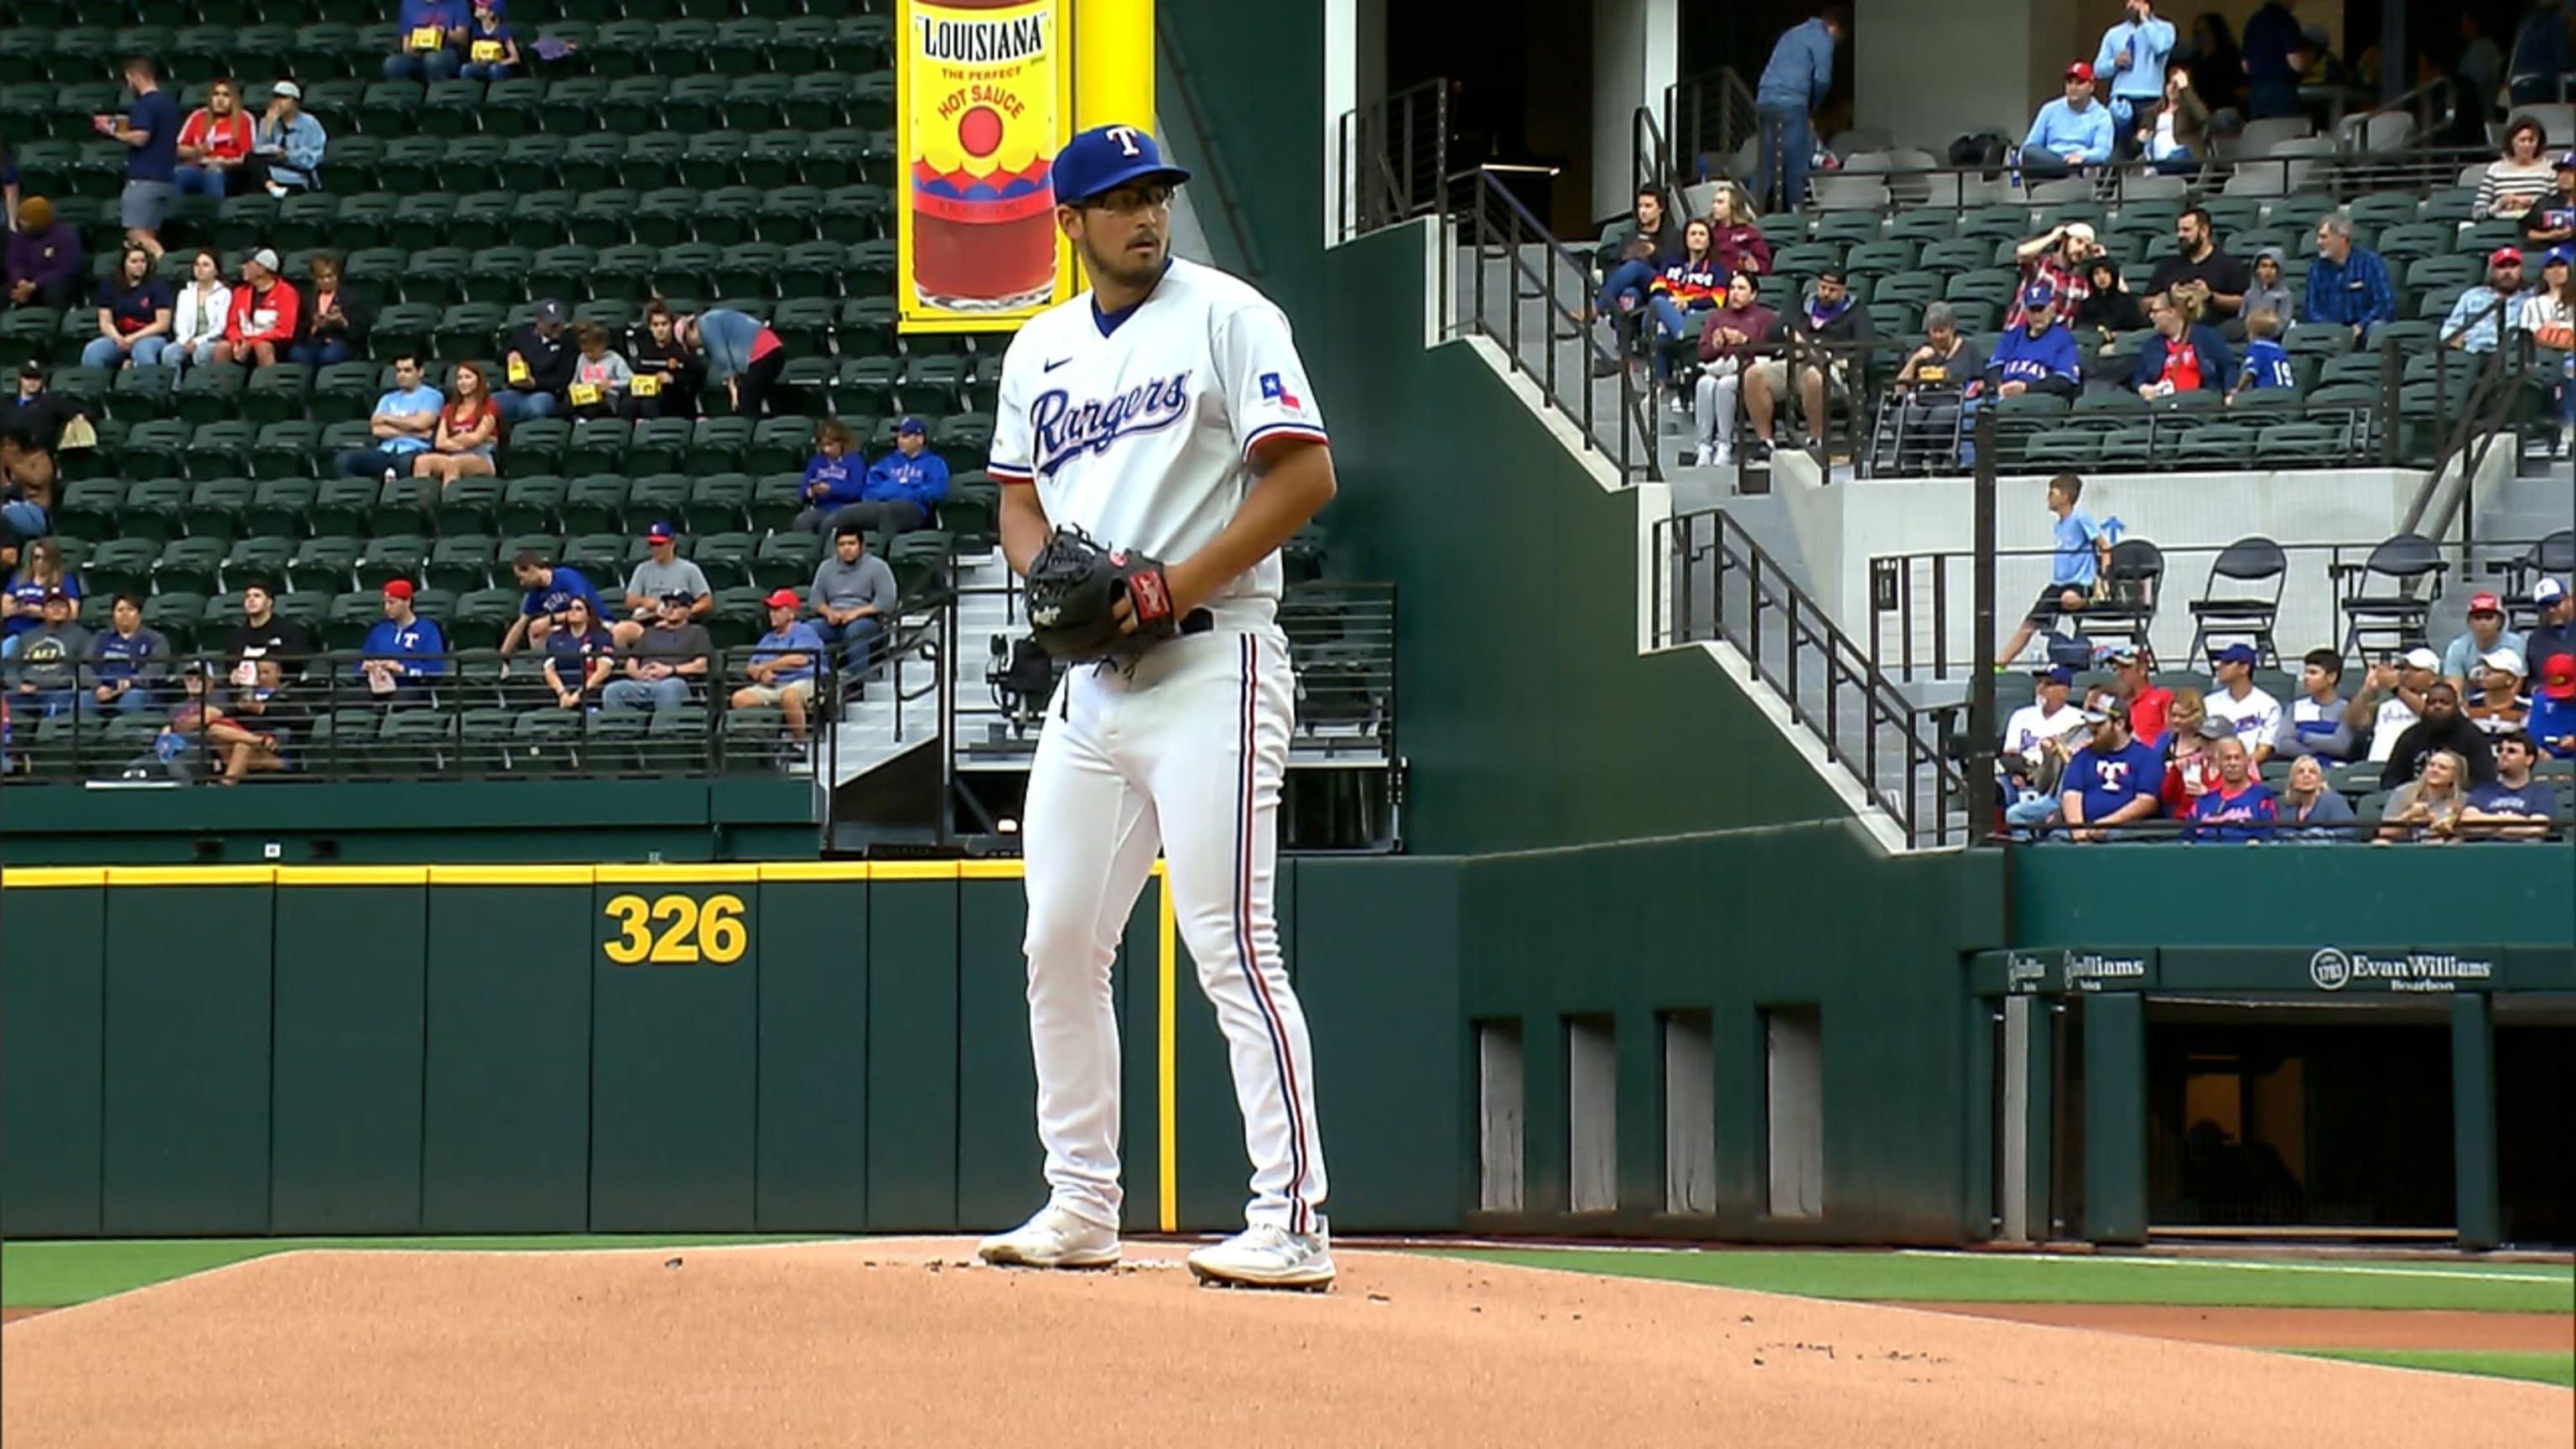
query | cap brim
[1166, 173]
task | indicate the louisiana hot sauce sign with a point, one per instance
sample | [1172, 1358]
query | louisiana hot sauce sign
[983, 102]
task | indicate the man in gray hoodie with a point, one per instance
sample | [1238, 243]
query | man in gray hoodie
[854, 598]
[2268, 290]
[44, 675]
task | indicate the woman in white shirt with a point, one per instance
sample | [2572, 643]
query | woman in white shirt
[2521, 177]
[197, 323]
[2549, 315]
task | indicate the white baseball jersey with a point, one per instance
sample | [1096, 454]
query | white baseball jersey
[1138, 427]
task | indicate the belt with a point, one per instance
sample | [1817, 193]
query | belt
[1198, 621]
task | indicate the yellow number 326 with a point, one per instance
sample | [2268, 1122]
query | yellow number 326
[676, 930]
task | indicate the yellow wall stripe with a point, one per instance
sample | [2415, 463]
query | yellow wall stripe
[57, 877]
[703, 873]
[813, 870]
[40, 877]
[511, 875]
[353, 875]
[191, 875]
[914, 870]
[1167, 1042]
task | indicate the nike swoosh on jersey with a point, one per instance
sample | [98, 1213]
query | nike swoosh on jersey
[1052, 366]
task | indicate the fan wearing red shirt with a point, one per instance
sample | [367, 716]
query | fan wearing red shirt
[265, 307]
[213, 142]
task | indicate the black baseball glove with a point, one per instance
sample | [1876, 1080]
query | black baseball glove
[1074, 586]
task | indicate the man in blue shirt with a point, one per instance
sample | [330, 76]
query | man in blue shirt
[2485, 311]
[2131, 68]
[783, 665]
[2348, 285]
[403, 652]
[426, 36]
[2082, 549]
[902, 487]
[2070, 133]
[551, 588]
[151, 132]
[286, 145]
[2540, 56]
[405, 421]
[2272, 38]
[1784, 102]
[2112, 781]
[2037, 356]
[2513, 805]
[126, 663]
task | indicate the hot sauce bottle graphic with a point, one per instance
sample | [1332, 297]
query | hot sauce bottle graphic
[983, 94]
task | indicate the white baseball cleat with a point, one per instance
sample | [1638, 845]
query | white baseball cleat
[1053, 1239]
[1266, 1255]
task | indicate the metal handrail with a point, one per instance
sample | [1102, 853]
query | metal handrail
[1384, 167]
[1691, 104]
[1509, 229]
[1650, 157]
[2485, 417]
[1812, 643]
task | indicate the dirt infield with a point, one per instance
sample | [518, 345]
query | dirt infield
[2294, 1327]
[897, 1343]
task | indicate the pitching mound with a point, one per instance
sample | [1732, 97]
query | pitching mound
[897, 1343]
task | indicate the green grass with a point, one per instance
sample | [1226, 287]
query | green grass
[2540, 1368]
[52, 1274]
[2020, 1278]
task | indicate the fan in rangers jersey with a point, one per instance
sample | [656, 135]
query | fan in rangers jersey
[1164, 412]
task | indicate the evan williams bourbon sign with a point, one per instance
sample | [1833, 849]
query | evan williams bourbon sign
[984, 99]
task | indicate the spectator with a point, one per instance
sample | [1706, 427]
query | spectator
[1935, 391]
[662, 574]
[2514, 806]
[2036, 354]
[2486, 634]
[40, 572]
[2109, 783]
[1729, 343]
[2271, 75]
[2552, 722]
[783, 665]
[405, 422]
[2317, 723]
[2498, 707]
[597, 388]
[272, 710]
[903, 488]
[44, 675]
[286, 145]
[204, 308]
[2240, 807]
[8, 199]
[2216, 66]
[665, 383]
[2137, 691]
[2479, 74]
[2538, 72]
[2549, 224]
[2070, 133]
[2399, 686]
[2348, 285]
[550, 592]
[740, 352]
[833, 480]
[580, 656]
[2269, 291]
[2482, 310]
[150, 132]
[1737, 241]
[2082, 549]
[264, 634]
[2310, 811]
[2555, 634]
[2191, 759]
[2429, 808]
[2199, 270]
[666, 663]
[31, 428]
[2443, 728]
[2177, 136]
[1633, 251]
[1785, 100]
[213, 143]
[1684, 291]
[2036, 726]
[2055, 261]
[2105, 314]
[333, 320]
[134, 315]
[2517, 178]
[2131, 67]
[199, 730]
[2549, 315]
[468, 426]
[1825, 337]
[854, 595]
[44, 258]
[126, 664]
[427, 36]
[491, 51]
[2250, 714]
[2267, 362]
[2185, 354]
[266, 309]
[537, 365]
[404, 653]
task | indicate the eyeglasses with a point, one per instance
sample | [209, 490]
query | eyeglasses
[1128, 200]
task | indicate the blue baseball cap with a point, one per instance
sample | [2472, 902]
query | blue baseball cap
[2038, 297]
[2235, 654]
[911, 425]
[1105, 158]
[2055, 674]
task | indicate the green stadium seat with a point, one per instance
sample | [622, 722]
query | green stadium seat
[786, 561]
[219, 508]
[537, 445]
[594, 503]
[482, 616]
[835, 158]
[154, 508]
[280, 505]
[600, 557]
[140, 394]
[634, 103]
[87, 509]
[323, 566]
[741, 47]
[867, 327]
[720, 503]
[597, 446]
[406, 327]
[718, 445]
[652, 161]
[659, 445]
[531, 504]
[208, 394]
[176, 617]
[660, 498]
[462, 562]
[159, 446]
[725, 558]
[591, 163]
[866, 384]
[120, 566]
[572, 104]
